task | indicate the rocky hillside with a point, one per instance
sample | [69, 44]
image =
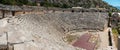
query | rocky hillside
[62, 3]
[74, 3]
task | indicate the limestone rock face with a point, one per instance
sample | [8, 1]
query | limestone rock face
[46, 32]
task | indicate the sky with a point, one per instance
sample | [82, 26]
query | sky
[113, 2]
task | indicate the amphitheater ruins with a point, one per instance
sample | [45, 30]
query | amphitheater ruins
[38, 28]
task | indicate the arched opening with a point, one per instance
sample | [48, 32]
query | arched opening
[3, 13]
[13, 13]
[72, 11]
[6, 47]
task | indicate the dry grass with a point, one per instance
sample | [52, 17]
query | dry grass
[115, 35]
[70, 38]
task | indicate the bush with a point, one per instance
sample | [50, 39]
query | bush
[115, 31]
[16, 2]
[65, 6]
[70, 38]
[110, 14]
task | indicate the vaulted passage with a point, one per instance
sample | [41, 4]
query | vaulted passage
[4, 47]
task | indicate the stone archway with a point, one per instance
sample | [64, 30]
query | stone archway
[13, 13]
[6, 47]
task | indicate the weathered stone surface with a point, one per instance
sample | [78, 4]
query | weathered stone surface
[46, 32]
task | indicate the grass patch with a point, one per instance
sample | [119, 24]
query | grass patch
[70, 38]
[115, 35]
[114, 31]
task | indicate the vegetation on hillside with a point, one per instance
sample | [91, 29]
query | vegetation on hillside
[63, 3]
[115, 36]
[48, 4]
[115, 31]
[80, 3]
[17, 2]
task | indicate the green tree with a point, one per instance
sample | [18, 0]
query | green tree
[110, 14]
[9, 2]
[22, 2]
[17, 2]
